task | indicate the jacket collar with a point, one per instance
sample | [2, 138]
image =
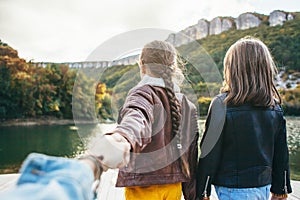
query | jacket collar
[149, 80]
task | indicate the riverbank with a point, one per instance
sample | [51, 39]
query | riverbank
[36, 122]
[43, 121]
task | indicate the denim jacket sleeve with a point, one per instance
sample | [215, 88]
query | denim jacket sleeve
[280, 170]
[211, 144]
[47, 177]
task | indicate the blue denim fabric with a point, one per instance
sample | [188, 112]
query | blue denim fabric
[258, 193]
[52, 178]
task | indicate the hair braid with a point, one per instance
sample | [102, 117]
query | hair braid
[174, 103]
[175, 115]
[160, 58]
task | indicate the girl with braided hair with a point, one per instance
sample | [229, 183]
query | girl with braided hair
[160, 124]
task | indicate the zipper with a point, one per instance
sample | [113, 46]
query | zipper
[285, 182]
[205, 188]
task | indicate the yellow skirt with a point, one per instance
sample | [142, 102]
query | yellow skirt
[154, 192]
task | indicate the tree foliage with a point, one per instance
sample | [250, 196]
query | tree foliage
[30, 91]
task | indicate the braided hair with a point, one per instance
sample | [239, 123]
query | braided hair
[160, 58]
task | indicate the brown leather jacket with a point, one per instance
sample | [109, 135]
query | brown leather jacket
[145, 122]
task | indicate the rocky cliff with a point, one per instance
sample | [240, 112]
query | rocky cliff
[220, 24]
[279, 17]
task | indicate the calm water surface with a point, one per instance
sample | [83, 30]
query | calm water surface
[17, 142]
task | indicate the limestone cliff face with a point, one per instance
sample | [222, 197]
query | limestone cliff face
[215, 26]
[247, 20]
[279, 17]
[227, 24]
[195, 32]
[290, 16]
[220, 24]
[182, 37]
[202, 28]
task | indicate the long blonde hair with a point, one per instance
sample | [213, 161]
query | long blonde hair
[161, 60]
[249, 72]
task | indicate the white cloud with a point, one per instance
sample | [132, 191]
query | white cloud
[68, 30]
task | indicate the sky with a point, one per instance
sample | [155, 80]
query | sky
[70, 30]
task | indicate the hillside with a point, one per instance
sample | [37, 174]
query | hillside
[282, 40]
[29, 90]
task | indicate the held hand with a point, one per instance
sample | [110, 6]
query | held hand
[114, 149]
[277, 198]
[123, 144]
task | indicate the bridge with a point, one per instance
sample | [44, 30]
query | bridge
[130, 60]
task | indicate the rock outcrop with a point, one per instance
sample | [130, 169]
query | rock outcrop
[202, 28]
[278, 17]
[215, 26]
[227, 24]
[247, 20]
[220, 24]
[195, 32]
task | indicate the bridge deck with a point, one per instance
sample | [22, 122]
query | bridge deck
[107, 189]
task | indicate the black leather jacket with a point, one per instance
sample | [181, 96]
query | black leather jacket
[243, 147]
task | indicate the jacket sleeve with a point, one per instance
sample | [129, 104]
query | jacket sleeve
[280, 170]
[211, 147]
[136, 119]
[189, 188]
[49, 177]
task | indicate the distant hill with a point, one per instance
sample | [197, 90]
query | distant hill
[283, 41]
[45, 89]
[280, 31]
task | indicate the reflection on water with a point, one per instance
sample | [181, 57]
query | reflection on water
[57, 140]
[67, 141]
[17, 142]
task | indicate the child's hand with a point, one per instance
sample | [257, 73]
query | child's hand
[114, 149]
[277, 198]
[122, 145]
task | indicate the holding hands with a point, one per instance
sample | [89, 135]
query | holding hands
[113, 149]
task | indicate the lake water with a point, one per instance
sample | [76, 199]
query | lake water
[17, 142]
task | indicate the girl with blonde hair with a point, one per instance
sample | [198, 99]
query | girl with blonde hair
[160, 124]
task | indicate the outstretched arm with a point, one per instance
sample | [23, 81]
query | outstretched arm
[48, 177]
[133, 132]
